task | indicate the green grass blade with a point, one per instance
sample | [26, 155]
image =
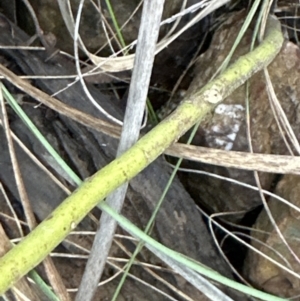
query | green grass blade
[19, 111]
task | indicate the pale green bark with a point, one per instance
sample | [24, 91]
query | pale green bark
[35, 247]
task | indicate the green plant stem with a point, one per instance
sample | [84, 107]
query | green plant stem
[47, 291]
[115, 22]
[190, 263]
[35, 247]
[19, 111]
[150, 223]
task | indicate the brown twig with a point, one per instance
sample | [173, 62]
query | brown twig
[52, 274]
[58, 106]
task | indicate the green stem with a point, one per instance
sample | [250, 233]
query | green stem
[40, 242]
